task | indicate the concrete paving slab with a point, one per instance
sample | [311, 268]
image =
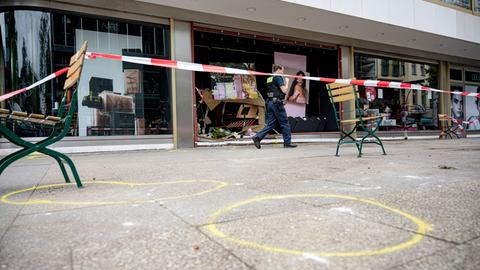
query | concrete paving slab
[435, 181]
[107, 237]
[452, 208]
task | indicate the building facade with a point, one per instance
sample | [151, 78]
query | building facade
[427, 42]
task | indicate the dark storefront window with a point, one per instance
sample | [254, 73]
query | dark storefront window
[456, 75]
[25, 56]
[115, 98]
[412, 108]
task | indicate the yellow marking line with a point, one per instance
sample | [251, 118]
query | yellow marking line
[422, 227]
[5, 198]
[35, 155]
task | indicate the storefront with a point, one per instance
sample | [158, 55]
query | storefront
[140, 104]
[115, 98]
[257, 51]
[465, 108]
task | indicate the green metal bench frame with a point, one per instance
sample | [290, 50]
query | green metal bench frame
[343, 92]
[60, 125]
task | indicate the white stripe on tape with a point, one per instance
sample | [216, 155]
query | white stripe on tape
[136, 60]
[189, 66]
[395, 84]
[371, 83]
[343, 81]
[237, 71]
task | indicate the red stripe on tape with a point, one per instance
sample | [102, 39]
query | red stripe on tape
[328, 80]
[214, 69]
[383, 84]
[108, 56]
[358, 82]
[405, 85]
[61, 71]
[164, 63]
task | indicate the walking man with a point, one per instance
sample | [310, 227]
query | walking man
[276, 90]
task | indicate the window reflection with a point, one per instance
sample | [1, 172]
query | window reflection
[115, 98]
[412, 108]
[460, 3]
[25, 40]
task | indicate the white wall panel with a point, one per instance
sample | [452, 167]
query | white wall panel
[400, 13]
[350, 7]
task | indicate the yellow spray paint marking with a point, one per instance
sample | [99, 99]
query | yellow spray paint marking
[422, 227]
[5, 198]
[35, 155]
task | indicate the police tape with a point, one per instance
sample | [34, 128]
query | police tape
[173, 64]
[40, 82]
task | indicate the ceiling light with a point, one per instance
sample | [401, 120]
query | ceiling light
[301, 19]
[251, 9]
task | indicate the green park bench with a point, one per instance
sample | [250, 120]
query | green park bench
[58, 126]
[370, 124]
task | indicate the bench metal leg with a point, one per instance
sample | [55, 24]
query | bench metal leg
[41, 147]
[345, 135]
[371, 133]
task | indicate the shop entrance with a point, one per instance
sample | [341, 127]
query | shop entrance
[249, 51]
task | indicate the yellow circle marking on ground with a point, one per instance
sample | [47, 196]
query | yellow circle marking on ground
[422, 227]
[5, 198]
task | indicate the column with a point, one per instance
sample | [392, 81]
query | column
[183, 97]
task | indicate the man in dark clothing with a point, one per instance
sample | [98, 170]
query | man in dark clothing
[276, 90]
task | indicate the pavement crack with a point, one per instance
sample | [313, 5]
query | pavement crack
[408, 230]
[71, 257]
[441, 251]
[470, 240]
[209, 237]
[342, 183]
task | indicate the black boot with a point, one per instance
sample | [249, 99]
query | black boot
[256, 141]
[289, 145]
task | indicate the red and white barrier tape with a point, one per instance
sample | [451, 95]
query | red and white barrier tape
[42, 81]
[217, 69]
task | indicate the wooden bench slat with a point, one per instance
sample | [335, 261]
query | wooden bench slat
[363, 119]
[343, 90]
[443, 117]
[36, 116]
[343, 98]
[77, 55]
[76, 64]
[74, 67]
[4, 111]
[53, 118]
[336, 85]
[73, 79]
[16, 113]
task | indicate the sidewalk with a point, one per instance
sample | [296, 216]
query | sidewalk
[237, 207]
